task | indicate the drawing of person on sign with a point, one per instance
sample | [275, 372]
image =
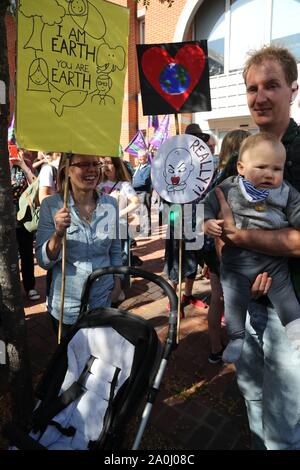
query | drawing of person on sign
[38, 76]
[182, 169]
[103, 84]
[87, 17]
[178, 167]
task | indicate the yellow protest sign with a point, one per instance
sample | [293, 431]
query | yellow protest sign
[71, 65]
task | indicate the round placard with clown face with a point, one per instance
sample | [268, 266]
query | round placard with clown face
[182, 169]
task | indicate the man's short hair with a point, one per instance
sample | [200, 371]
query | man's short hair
[281, 55]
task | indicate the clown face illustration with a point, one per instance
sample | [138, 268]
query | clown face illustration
[178, 167]
[182, 169]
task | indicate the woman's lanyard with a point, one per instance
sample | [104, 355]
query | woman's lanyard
[112, 188]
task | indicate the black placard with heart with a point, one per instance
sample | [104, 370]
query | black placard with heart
[174, 77]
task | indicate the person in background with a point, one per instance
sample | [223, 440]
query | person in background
[89, 244]
[39, 161]
[229, 152]
[22, 175]
[47, 187]
[141, 183]
[190, 258]
[48, 174]
[212, 143]
[207, 256]
[116, 181]
[268, 370]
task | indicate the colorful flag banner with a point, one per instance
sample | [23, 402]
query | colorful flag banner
[162, 133]
[153, 121]
[137, 143]
[71, 66]
[166, 134]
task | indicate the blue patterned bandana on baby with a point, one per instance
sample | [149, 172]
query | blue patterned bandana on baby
[251, 193]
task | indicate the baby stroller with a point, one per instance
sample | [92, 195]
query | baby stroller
[99, 374]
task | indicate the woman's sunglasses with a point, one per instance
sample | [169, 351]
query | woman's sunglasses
[87, 164]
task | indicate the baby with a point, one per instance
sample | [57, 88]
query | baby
[259, 199]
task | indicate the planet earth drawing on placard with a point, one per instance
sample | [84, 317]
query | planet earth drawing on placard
[174, 79]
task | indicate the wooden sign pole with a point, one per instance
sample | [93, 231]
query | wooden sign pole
[63, 260]
[180, 221]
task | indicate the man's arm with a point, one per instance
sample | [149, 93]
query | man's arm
[283, 242]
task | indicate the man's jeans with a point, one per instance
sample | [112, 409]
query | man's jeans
[269, 379]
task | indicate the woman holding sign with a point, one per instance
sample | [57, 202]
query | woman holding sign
[90, 223]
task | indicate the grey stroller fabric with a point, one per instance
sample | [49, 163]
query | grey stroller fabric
[98, 376]
[112, 354]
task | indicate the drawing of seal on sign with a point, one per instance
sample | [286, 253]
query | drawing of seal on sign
[182, 169]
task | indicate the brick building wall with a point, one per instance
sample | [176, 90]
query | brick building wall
[161, 21]
[160, 25]
[130, 105]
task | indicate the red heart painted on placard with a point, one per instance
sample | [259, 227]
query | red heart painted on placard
[155, 60]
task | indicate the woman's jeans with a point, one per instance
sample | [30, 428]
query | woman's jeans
[64, 328]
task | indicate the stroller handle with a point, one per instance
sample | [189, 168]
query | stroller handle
[162, 283]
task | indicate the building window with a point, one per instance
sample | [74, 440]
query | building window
[233, 27]
[285, 25]
[142, 31]
[247, 30]
[210, 25]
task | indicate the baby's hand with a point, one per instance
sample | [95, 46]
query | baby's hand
[213, 227]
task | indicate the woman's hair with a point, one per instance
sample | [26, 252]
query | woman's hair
[121, 170]
[231, 143]
[281, 55]
[60, 180]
